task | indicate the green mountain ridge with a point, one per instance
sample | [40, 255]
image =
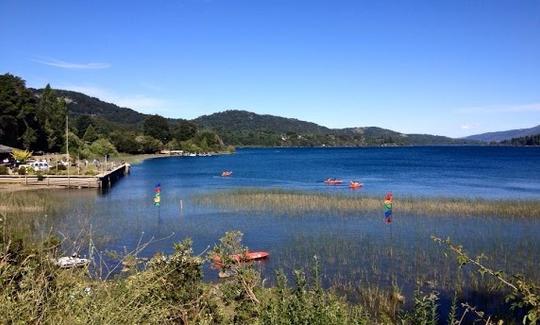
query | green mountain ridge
[243, 128]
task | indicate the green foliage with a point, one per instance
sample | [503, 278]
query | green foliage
[76, 146]
[157, 127]
[307, 303]
[36, 120]
[183, 130]
[17, 110]
[190, 146]
[452, 315]
[250, 129]
[148, 144]
[4, 170]
[208, 141]
[169, 289]
[125, 142]
[21, 155]
[424, 311]
[81, 124]
[52, 112]
[21, 170]
[102, 147]
[90, 135]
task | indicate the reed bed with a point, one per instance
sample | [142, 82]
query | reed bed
[23, 202]
[296, 202]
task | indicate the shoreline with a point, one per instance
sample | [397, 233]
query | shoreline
[126, 158]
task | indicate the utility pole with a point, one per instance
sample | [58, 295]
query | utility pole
[67, 147]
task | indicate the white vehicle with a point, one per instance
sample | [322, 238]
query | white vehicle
[39, 165]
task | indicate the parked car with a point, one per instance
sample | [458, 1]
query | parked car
[40, 165]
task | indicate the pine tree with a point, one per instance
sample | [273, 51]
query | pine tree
[52, 114]
[90, 135]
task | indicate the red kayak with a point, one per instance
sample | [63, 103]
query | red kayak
[226, 173]
[249, 256]
[355, 185]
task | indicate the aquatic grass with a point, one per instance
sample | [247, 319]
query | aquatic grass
[13, 202]
[297, 202]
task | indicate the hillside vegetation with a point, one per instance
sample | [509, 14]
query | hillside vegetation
[244, 128]
[36, 120]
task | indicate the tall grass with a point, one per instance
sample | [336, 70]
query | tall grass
[295, 202]
[15, 202]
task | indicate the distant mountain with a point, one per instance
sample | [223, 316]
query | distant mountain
[244, 128]
[504, 135]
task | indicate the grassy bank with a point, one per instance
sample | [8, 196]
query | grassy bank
[294, 202]
[170, 290]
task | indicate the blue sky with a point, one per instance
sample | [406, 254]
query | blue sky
[443, 67]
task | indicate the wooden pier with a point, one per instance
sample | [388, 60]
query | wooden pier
[103, 180]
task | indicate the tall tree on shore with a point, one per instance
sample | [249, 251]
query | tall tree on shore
[157, 127]
[19, 125]
[52, 112]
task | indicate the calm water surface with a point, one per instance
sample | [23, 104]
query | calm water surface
[359, 249]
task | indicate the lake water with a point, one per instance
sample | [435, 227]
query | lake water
[358, 249]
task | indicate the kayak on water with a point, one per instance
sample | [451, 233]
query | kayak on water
[355, 184]
[333, 181]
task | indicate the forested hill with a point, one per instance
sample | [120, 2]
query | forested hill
[81, 104]
[92, 118]
[244, 128]
[505, 135]
[248, 121]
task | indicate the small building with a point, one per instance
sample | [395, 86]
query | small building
[5, 153]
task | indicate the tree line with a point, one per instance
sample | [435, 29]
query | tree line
[36, 121]
[529, 140]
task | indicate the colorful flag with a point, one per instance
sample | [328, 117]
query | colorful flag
[157, 195]
[388, 208]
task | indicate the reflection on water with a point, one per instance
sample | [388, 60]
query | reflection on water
[357, 249]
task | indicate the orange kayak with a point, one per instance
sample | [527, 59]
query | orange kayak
[249, 256]
[355, 185]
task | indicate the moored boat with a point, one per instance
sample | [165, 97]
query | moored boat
[68, 262]
[246, 257]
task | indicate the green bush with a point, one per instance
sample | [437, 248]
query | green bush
[4, 170]
[21, 171]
